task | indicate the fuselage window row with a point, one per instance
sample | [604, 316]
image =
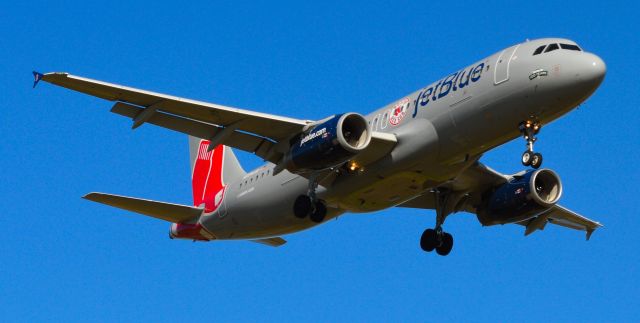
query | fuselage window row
[252, 178]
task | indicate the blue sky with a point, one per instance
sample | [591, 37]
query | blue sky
[67, 259]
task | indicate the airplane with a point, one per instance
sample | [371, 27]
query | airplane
[421, 151]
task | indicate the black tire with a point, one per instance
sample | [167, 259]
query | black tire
[319, 213]
[527, 156]
[446, 245]
[428, 240]
[302, 206]
[536, 161]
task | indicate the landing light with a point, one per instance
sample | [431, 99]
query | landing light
[354, 167]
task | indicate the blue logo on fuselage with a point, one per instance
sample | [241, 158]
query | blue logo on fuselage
[447, 85]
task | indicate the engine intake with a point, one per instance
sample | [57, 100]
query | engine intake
[522, 198]
[545, 187]
[329, 143]
[354, 133]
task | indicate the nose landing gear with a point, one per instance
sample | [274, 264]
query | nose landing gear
[529, 130]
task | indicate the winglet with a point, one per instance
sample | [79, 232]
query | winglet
[36, 78]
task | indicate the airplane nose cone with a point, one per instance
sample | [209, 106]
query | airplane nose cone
[574, 77]
[592, 70]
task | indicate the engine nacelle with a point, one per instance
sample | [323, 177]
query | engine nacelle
[328, 144]
[522, 198]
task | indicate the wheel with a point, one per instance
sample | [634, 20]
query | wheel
[428, 240]
[527, 156]
[446, 245]
[302, 206]
[536, 161]
[319, 213]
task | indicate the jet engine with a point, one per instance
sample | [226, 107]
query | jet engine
[329, 143]
[524, 197]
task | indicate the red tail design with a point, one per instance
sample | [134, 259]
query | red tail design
[206, 180]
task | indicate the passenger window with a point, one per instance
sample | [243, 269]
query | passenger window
[551, 47]
[570, 47]
[539, 50]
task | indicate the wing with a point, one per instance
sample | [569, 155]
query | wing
[470, 184]
[567, 218]
[263, 134]
[249, 130]
[262, 124]
[478, 178]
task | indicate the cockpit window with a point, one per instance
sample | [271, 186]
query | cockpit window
[570, 47]
[551, 47]
[539, 50]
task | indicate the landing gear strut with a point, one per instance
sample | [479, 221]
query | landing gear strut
[436, 238]
[310, 205]
[529, 130]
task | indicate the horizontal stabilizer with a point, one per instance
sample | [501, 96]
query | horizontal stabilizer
[274, 242]
[165, 211]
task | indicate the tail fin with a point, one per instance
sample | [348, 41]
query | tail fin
[211, 171]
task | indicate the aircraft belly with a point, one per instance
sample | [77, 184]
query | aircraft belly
[384, 193]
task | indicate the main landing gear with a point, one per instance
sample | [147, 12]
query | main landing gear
[310, 205]
[529, 130]
[436, 238]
